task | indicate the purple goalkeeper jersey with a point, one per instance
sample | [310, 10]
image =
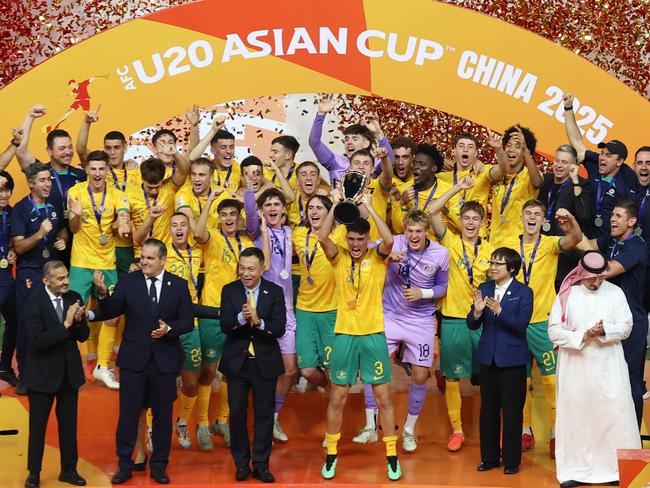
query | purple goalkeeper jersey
[428, 269]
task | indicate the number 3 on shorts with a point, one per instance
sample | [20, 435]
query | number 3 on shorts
[379, 368]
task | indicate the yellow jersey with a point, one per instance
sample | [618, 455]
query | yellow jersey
[185, 263]
[121, 179]
[317, 291]
[140, 205]
[506, 222]
[269, 174]
[229, 179]
[463, 283]
[359, 288]
[93, 246]
[541, 274]
[185, 198]
[220, 258]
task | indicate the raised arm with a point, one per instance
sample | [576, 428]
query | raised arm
[182, 166]
[384, 232]
[201, 233]
[328, 246]
[536, 178]
[323, 154]
[8, 154]
[284, 184]
[199, 149]
[81, 145]
[571, 127]
[252, 217]
[193, 117]
[500, 170]
[266, 244]
[570, 227]
[386, 176]
[24, 156]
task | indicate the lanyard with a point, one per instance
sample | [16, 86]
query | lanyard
[198, 199]
[4, 241]
[642, 206]
[189, 255]
[599, 196]
[408, 264]
[115, 180]
[528, 272]
[227, 180]
[550, 199]
[146, 200]
[617, 244]
[100, 211]
[301, 211]
[288, 176]
[506, 197]
[433, 191]
[470, 266]
[309, 258]
[47, 216]
[352, 266]
[57, 180]
[232, 250]
[282, 250]
[456, 181]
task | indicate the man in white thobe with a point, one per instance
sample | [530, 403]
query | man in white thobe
[595, 412]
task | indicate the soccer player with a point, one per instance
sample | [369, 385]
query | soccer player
[469, 257]
[515, 180]
[283, 155]
[316, 305]
[416, 277]
[404, 150]
[272, 203]
[184, 257]
[221, 250]
[639, 193]
[222, 146]
[252, 177]
[97, 211]
[355, 137]
[359, 346]
[38, 233]
[152, 204]
[308, 184]
[628, 258]
[191, 199]
[7, 285]
[539, 258]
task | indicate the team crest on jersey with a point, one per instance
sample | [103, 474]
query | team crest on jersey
[365, 264]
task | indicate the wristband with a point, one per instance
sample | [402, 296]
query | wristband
[427, 293]
[568, 109]
[13, 143]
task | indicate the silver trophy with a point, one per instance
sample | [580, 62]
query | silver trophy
[353, 185]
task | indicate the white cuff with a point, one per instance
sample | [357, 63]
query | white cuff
[427, 293]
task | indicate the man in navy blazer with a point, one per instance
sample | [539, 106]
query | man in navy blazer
[253, 317]
[503, 306]
[158, 309]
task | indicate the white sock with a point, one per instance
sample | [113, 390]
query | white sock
[371, 415]
[458, 431]
[552, 433]
[275, 416]
[181, 422]
[527, 430]
[409, 425]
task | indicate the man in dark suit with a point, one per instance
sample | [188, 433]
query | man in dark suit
[503, 306]
[55, 321]
[158, 309]
[253, 317]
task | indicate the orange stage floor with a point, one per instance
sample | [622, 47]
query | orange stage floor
[297, 462]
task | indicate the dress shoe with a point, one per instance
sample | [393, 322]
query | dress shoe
[140, 466]
[122, 476]
[73, 478]
[21, 389]
[9, 376]
[570, 484]
[33, 481]
[264, 475]
[511, 470]
[159, 476]
[242, 474]
[488, 466]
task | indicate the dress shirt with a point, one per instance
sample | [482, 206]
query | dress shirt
[256, 295]
[500, 290]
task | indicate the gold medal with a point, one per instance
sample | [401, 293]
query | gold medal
[310, 280]
[66, 214]
[4, 264]
[352, 304]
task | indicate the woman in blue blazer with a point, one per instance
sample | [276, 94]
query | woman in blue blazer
[503, 306]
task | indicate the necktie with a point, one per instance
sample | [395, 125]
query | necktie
[152, 291]
[59, 308]
[251, 302]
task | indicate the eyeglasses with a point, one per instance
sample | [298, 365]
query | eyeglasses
[497, 263]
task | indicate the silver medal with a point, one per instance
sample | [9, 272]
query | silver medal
[103, 239]
[502, 219]
[546, 226]
[638, 231]
[284, 274]
[598, 222]
[46, 253]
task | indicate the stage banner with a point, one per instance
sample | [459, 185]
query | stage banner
[433, 54]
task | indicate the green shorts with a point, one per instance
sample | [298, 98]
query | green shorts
[365, 354]
[541, 348]
[458, 345]
[212, 340]
[314, 338]
[81, 281]
[191, 343]
[124, 258]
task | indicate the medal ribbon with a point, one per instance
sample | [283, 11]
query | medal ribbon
[232, 250]
[528, 271]
[352, 265]
[4, 241]
[59, 185]
[309, 259]
[116, 181]
[47, 216]
[551, 200]
[506, 197]
[100, 211]
[288, 176]
[408, 264]
[189, 265]
[226, 180]
[433, 191]
[470, 266]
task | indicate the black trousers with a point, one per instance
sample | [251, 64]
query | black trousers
[263, 389]
[8, 309]
[139, 390]
[40, 405]
[503, 393]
